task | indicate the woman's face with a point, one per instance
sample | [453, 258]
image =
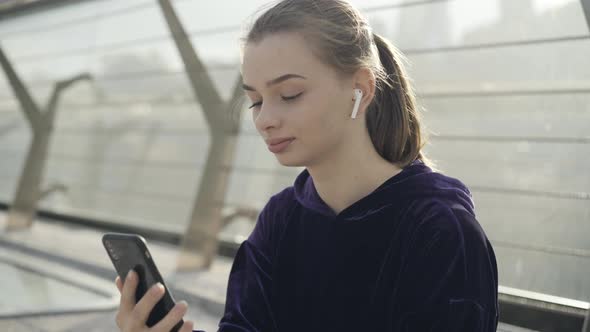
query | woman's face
[296, 97]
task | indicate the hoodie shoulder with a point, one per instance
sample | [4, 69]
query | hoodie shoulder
[435, 215]
[449, 236]
[272, 219]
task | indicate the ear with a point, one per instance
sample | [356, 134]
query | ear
[364, 79]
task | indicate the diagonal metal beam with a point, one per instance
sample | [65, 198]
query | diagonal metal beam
[57, 90]
[201, 81]
[234, 106]
[29, 107]
[586, 8]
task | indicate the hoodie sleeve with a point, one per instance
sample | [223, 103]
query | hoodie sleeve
[450, 279]
[247, 307]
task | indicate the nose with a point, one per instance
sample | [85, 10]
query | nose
[266, 118]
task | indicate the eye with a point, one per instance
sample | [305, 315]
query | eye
[285, 98]
[255, 105]
[292, 97]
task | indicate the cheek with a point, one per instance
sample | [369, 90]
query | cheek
[331, 114]
[323, 124]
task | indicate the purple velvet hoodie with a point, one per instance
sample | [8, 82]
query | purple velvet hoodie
[410, 256]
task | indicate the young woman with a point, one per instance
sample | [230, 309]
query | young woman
[369, 237]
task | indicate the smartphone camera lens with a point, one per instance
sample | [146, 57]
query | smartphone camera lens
[111, 251]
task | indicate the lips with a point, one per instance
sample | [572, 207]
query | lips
[279, 144]
[276, 141]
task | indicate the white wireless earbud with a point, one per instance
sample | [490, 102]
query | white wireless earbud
[358, 95]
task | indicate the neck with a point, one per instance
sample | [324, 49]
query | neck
[350, 174]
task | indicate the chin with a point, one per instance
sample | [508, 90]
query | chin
[290, 160]
[290, 163]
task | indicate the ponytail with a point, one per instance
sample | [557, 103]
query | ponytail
[392, 119]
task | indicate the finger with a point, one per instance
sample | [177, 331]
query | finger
[148, 301]
[119, 284]
[128, 293]
[186, 327]
[173, 317]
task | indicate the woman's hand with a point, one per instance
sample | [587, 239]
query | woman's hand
[132, 317]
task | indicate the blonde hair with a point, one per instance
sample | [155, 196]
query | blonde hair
[342, 38]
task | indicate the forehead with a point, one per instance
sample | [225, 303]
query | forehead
[278, 54]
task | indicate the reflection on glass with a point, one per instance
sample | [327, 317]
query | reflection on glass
[28, 291]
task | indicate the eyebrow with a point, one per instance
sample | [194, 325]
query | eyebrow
[275, 81]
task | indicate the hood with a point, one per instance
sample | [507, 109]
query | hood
[415, 181]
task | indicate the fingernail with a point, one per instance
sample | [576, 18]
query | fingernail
[158, 287]
[129, 275]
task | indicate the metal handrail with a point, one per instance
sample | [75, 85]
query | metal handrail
[542, 311]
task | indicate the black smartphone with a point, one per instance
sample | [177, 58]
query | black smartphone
[130, 252]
